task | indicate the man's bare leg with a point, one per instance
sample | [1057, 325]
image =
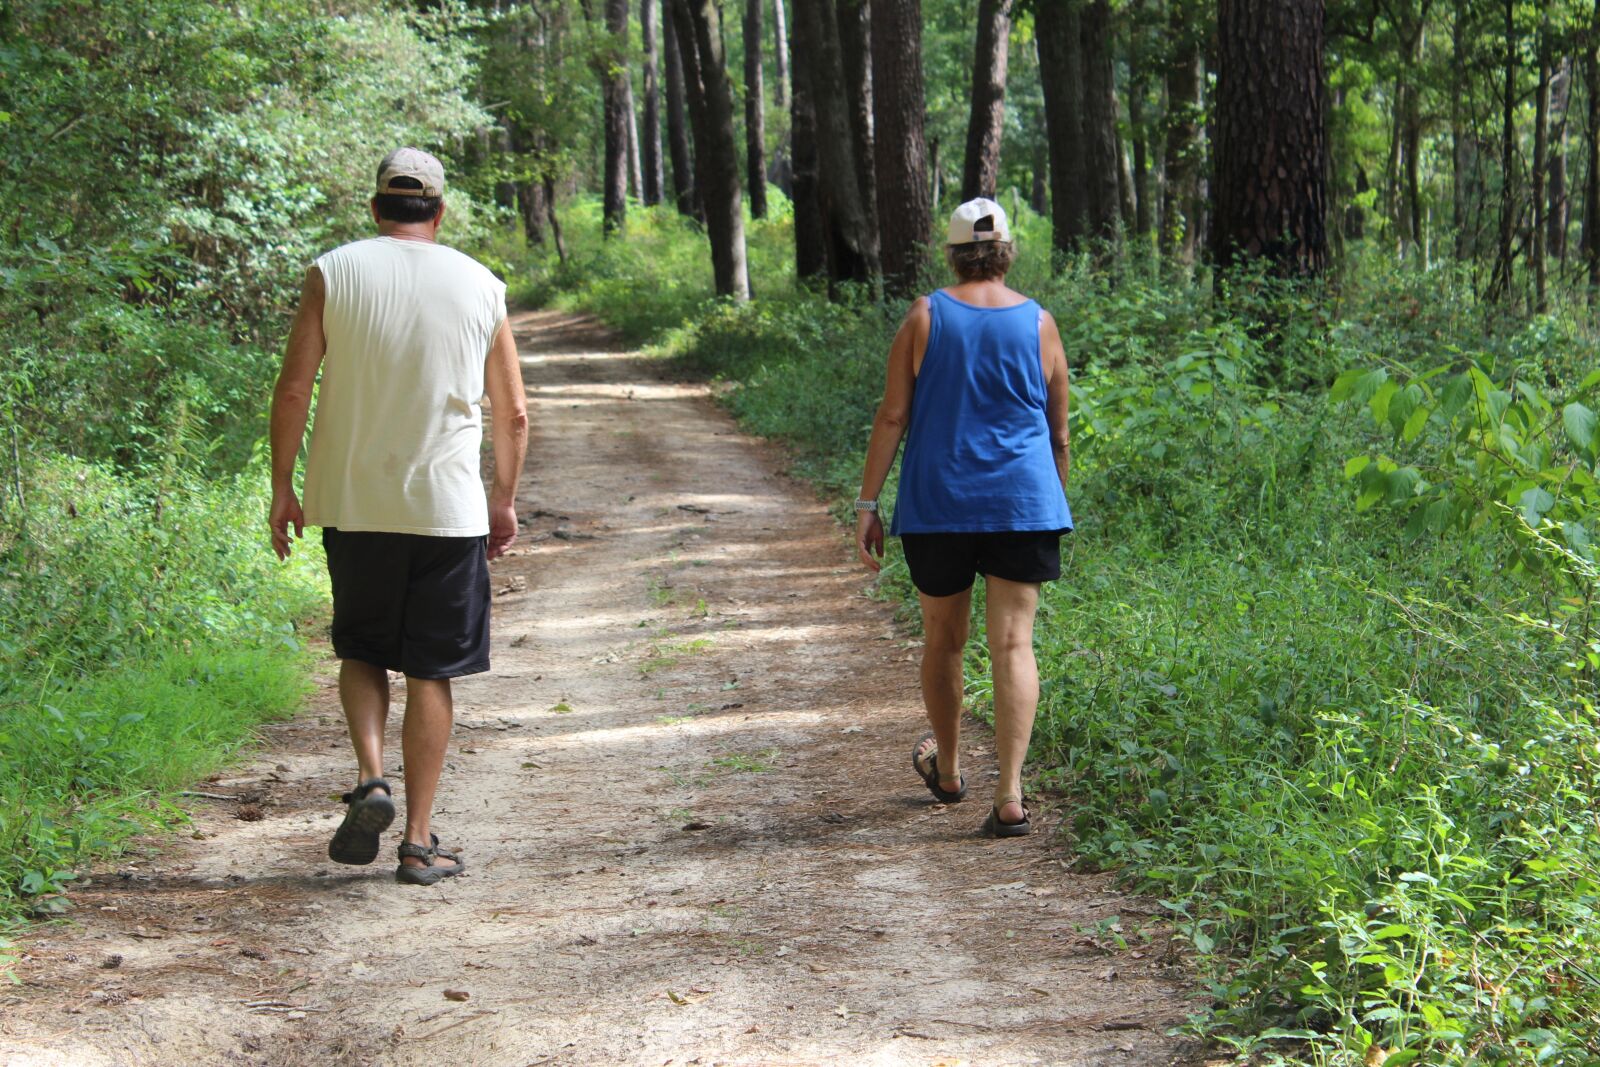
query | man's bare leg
[1010, 610]
[945, 622]
[364, 693]
[429, 714]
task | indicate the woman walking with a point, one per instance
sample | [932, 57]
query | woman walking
[977, 385]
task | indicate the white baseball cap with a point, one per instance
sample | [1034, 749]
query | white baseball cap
[412, 163]
[978, 220]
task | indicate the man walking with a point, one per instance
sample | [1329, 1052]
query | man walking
[409, 335]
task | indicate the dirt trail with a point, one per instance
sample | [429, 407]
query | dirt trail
[685, 798]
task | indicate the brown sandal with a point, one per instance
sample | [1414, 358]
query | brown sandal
[431, 873]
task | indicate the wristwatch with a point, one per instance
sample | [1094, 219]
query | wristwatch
[867, 505]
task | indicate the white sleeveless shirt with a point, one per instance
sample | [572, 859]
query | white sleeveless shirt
[399, 427]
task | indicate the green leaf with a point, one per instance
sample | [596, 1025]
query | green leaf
[1355, 465]
[1581, 424]
[1381, 400]
[1455, 396]
[1534, 503]
[1414, 424]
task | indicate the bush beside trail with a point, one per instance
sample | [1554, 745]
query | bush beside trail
[1353, 754]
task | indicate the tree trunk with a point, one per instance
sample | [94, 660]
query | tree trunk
[1039, 194]
[1056, 29]
[780, 54]
[1559, 213]
[614, 79]
[1413, 150]
[986, 123]
[549, 184]
[855, 50]
[1271, 166]
[699, 26]
[649, 10]
[851, 242]
[635, 163]
[755, 112]
[677, 124]
[1591, 179]
[530, 199]
[810, 243]
[1541, 147]
[938, 173]
[1500, 282]
[1461, 142]
[1103, 160]
[1138, 88]
[1185, 77]
[904, 212]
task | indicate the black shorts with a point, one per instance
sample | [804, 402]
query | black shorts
[411, 603]
[944, 564]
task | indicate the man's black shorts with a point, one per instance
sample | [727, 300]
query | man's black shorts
[944, 564]
[411, 603]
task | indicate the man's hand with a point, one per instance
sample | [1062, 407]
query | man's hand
[869, 539]
[502, 527]
[285, 511]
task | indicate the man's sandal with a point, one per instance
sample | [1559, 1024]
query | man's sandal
[994, 826]
[430, 873]
[368, 815]
[926, 764]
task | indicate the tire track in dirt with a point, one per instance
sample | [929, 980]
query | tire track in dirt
[692, 831]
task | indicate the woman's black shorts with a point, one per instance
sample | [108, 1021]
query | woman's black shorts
[409, 602]
[944, 564]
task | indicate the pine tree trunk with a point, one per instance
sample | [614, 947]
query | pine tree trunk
[1056, 29]
[677, 120]
[810, 243]
[938, 173]
[755, 112]
[1039, 194]
[1559, 213]
[1541, 147]
[635, 162]
[699, 26]
[1269, 190]
[549, 184]
[904, 212]
[1591, 178]
[649, 12]
[1138, 87]
[851, 242]
[614, 76]
[1185, 76]
[855, 50]
[1500, 282]
[780, 54]
[530, 199]
[987, 120]
[1103, 160]
[1463, 188]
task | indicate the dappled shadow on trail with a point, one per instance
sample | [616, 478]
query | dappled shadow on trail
[684, 791]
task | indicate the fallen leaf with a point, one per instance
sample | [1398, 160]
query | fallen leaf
[456, 994]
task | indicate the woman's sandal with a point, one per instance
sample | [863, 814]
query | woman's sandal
[430, 873]
[368, 815]
[927, 767]
[994, 826]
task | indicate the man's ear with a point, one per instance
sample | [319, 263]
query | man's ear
[373, 204]
[439, 218]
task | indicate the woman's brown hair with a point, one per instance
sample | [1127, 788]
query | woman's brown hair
[981, 261]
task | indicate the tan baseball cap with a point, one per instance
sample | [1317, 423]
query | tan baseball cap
[411, 163]
[978, 220]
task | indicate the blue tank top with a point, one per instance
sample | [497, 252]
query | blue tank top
[978, 457]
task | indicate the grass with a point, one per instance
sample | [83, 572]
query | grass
[1358, 766]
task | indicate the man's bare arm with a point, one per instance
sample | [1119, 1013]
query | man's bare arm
[508, 408]
[291, 406]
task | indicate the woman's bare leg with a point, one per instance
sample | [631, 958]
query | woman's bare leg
[1010, 610]
[945, 622]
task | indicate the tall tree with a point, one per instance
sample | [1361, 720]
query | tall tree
[904, 210]
[851, 241]
[1075, 68]
[699, 26]
[1560, 213]
[1138, 89]
[755, 112]
[855, 53]
[1103, 159]
[780, 54]
[987, 120]
[1500, 281]
[649, 11]
[683, 185]
[1541, 147]
[1270, 190]
[810, 245]
[614, 78]
[1185, 77]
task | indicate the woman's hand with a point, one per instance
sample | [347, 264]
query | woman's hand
[869, 539]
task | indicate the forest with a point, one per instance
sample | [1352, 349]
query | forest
[1321, 676]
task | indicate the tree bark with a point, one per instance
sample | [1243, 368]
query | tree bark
[987, 120]
[1138, 87]
[1056, 30]
[1559, 213]
[1541, 147]
[699, 26]
[851, 242]
[810, 243]
[683, 188]
[549, 184]
[649, 11]
[1270, 187]
[1461, 139]
[855, 50]
[1103, 160]
[1185, 77]
[614, 78]
[755, 112]
[1500, 282]
[904, 211]
[1591, 187]
[530, 199]
[780, 54]
[635, 162]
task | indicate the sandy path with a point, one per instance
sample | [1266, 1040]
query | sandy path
[685, 798]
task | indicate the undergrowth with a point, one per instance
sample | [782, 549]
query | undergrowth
[1354, 754]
